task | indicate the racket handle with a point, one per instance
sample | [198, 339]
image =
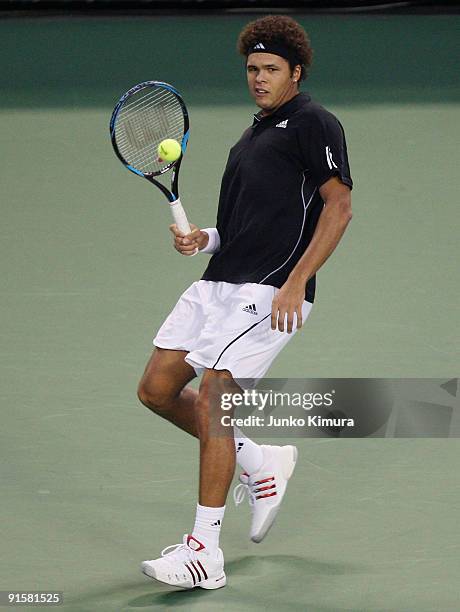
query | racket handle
[180, 218]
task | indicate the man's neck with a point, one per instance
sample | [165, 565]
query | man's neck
[267, 112]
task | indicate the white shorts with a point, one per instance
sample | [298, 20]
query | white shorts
[225, 326]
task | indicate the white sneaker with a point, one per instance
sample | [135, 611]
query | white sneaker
[266, 487]
[188, 565]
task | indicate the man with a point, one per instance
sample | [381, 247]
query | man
[283, 207]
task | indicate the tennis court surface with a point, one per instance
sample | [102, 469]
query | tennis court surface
[92, 483]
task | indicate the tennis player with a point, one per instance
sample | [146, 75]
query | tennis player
[284, 206]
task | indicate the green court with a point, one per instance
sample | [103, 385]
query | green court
[92, 483]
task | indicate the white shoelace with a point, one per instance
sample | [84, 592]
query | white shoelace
[239, 493]
[181, 556]
[181, 550]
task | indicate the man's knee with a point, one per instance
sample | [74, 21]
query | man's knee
[213, 385]
[153, 397]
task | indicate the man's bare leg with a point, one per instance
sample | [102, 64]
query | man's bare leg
[217, 446]
[163, 389]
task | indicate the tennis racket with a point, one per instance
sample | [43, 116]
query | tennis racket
[144, 116]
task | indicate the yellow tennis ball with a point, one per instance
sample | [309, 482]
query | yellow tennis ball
[169, 150]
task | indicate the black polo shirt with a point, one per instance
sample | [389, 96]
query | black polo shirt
[269, 201]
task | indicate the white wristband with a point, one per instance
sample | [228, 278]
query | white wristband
[214, 241]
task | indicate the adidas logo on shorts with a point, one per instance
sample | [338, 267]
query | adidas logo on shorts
[251, 308]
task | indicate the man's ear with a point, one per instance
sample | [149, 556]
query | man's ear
[296, 73]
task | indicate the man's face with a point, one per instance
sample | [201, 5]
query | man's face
[270, 81]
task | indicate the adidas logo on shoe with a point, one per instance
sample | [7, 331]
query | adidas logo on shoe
[282, 124]
[251, 308]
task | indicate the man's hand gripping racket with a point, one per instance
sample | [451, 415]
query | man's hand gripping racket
[145, 115]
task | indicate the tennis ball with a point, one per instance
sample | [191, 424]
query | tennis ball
[169, 150]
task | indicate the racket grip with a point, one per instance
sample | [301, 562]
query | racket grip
[180, 218]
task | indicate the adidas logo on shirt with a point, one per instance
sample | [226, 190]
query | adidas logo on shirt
[259, 46]
[282, 124]
[251, 309]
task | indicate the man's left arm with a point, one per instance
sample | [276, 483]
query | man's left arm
[331, 226]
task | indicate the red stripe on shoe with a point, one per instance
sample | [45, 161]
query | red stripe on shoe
[265, 495]
[265, 480]
[273, 486]
[196, 570]
[203, 570]
[191, 574]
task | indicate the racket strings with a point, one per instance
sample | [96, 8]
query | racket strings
[163, 103]
[143, 122]
[156, 107]
[143, 155]
[136, 100]
[145, 159]
[139, 135]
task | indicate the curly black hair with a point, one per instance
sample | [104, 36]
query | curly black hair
[278, 29]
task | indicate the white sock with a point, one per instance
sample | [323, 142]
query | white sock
[249, 455]
[208, 522]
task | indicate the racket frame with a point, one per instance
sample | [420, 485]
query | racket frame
[172, 194]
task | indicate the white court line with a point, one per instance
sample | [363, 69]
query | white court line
[323, 468]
